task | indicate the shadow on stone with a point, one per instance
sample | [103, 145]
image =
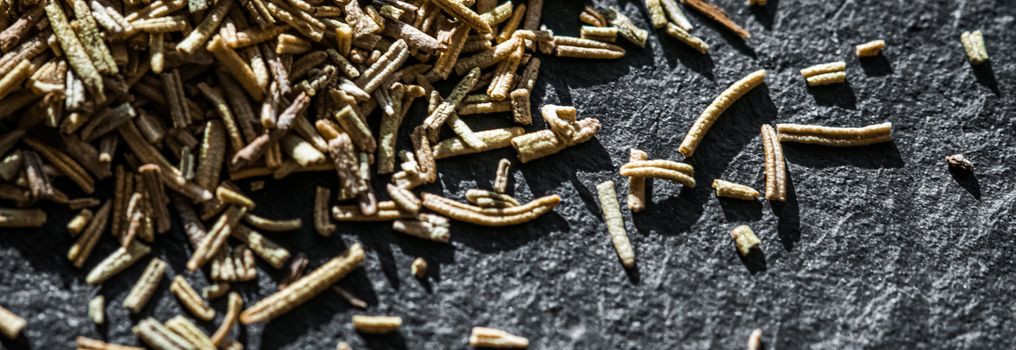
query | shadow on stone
[358, 284]
[458, 174]
[877, 156]
[583, 72]
[393, 340]
[840, 95]
[876, 66]
[382, 240]
[102, 329]
[389, 266]
[590, 199]
[39, 253]
[673, 214]
[788, 217]
[755, 261]
[967, 180]
[22, 343]
[374, 239]
[634, 276]
[766, 15]
[677, 51]
[425, 282]
[546, 174]
[741, 210]
[986, 76]
[563, 93]
[291, 326]
[497, 239]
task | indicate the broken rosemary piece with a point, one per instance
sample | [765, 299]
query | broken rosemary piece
[97, 310]
[419, 268]
[958, 161]
[11, 324]
[680, 34]
[745, 240]
[755, 340]
[484, 337]
[636, 185]
[973, 44]
[502, 175]
[726, 189]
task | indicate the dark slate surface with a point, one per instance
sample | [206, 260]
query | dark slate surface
[877, 247]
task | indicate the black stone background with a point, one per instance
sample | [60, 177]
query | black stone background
[876, 247]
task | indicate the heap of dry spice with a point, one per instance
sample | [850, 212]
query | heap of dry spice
[173, 101]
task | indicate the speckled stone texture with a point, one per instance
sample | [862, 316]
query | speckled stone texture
[876, 247]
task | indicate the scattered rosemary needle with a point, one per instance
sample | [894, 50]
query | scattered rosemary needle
[11, 324]
[376, 324]
[97, 310]
[973, 43]
[717, 14]
[755, 340]
[716, 108]
[835, 136]
[637, 185]
[870, 49]
[959, 162]
[495, 338]
[615, 223]
[190, 299]
[419, 268]
[775, 165]
[733, 190]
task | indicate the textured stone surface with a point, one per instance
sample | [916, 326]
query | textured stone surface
[877, 247]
